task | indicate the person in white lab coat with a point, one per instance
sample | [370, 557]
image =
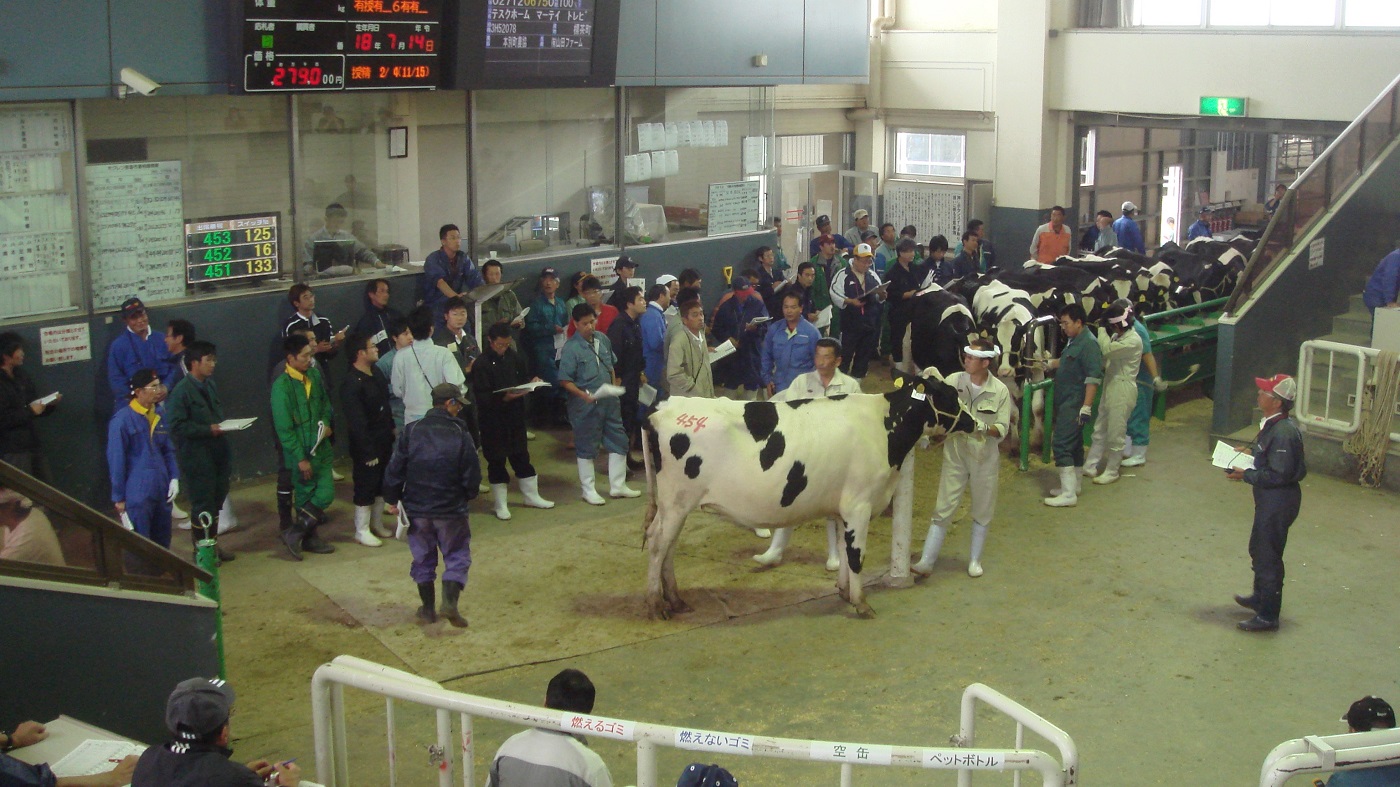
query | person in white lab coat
[1122, 354]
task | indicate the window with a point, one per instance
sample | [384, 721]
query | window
[930, 154]
[1166, 13]
[1372, 13]
[1265, 13]
[1239, 149]
[1088, 149]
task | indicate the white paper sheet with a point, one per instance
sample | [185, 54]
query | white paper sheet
[236, 424]
[723, 350]
[524, 387]
[646, 395]
[321, 432]
[673, 162]
[823, 318]
[721, 133]
[759, 320]
[92, 757]
[525, 312]
[559, 340]
[47, 400]
[673, 135]
[609, 391]
[629, 169]
[658, 164]
[1226, 457]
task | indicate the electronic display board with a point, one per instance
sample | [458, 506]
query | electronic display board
[535, 43]
[331, 45]
[225, 248]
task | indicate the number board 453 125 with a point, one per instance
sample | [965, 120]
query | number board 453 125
[223, 248]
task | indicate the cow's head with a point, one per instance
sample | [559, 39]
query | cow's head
[918, 402]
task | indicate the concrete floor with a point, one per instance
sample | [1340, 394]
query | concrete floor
[1112, 619]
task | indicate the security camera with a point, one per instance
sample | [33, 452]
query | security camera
[135, 80]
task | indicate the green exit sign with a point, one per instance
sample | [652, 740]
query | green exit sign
[1221, 106]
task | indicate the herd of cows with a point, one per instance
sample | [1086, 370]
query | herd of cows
[777, 464]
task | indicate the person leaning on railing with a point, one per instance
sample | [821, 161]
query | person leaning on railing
[15, 773]
[1383, 288]
[542, 757]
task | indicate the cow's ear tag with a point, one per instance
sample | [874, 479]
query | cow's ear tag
[918, 395]
[899, 382]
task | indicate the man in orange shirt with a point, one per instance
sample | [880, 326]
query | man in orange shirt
[1052, 239]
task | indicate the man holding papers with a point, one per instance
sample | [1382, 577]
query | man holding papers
[860, 296]
[301, 414]
[201, 449]
[1278, 467]
[20, 404]
[585, 368]
[495, 374]
[740, 320]
[688, 357]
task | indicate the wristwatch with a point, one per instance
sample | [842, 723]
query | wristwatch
[9, 741]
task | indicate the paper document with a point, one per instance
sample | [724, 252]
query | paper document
[723, 350]
[759, 320]
[47, 400]
[524, 388]
[94, 756]
[1227, 458]
[646, 395]
[880, 290]
[609, 391]
[523, 313]
[236, 424]
[321, 431]
[823, 319]
[401, 530]
[559, 340]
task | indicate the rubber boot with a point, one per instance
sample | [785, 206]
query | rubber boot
[178, 514]
[979, 540]
[1092, 458]
[1110, 471]
[284, 511]
[617, 477]
[1266, 619]
[833, 558]
[1068, 493]
[311, 519]
[530, 489]
[451, 592]
[364, 515]
[1135, 456]
[376, 520]
[586, 483]
[291, 537]
[498, 500]
[426, 613]
[933, 542]
[774, 555]
[227, 520]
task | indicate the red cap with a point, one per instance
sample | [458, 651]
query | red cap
[825, 239]
[1280, 385]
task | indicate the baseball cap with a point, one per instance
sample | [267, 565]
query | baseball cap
[862, 213]
[666, 278]
[863, 250]
[625, 262]
[1280, 385]
[141, 379]
[823, 219]
[825, 239]
[699, 774]
[132, 307]
[1129, 207]
[740, 283]
[445, 392]
[549, 273]
[1369, 712]
[1204, 209]
[198, 707]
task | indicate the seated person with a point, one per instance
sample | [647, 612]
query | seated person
[698, 774]
[543, 757]
[334, 231]
[197, 714]
[26, 534]
[17, 773]
[1364, 715]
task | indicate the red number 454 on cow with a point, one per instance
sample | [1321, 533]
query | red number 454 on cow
[693, 423]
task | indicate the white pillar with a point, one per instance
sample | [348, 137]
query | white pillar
[902, 526]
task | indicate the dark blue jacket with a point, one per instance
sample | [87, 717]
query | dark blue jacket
[434, 470]
[740, 370]
[129, 354]
[1384, 285]
[653, 324]
[954, 268]
[1129, 234]
[1278, 456]
[141, 462]
[462, 277]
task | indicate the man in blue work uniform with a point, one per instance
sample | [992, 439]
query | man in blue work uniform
[1278, 467]
[789, 347]
[585, 365]
[653, 327]
[141, 460]
[138, 347]
[448, 272]
[1383, 288]
[1201, 227]
[1127, 229]
[1078, 373]
[814, 246]
[734, 320]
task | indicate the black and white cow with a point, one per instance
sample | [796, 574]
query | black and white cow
[779, 464]
[1205, 270]
[1009, 319]
[1132, 276]
[1050, 287]
[942, 325]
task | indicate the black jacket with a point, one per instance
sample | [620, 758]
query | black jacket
[1278, 456]
[374, 321]
[902, 281]
[18, 432]
[364, 398]
[191, 765]
[434, 470]
[502, 423]
[626, 337]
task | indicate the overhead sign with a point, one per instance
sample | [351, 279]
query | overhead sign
[1222, 106]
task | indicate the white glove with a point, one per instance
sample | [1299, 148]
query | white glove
[1158, 384]
[1085, 413]
[126, 522]
[372, 463]
[980, 429]
[174, 490]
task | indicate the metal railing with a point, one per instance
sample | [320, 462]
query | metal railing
[1319, 187]
[1323, 754]
[332, 751]
[1340, 408]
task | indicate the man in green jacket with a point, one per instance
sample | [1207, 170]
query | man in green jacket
[301, 414]
[194, 413]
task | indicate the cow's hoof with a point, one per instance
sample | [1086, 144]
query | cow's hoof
[679, 607]
[864, 612]
[659, 612]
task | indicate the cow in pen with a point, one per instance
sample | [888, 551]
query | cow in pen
[779, 464]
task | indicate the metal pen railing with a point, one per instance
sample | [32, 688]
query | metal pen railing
[1324, 754]
[1342, 416]
[332, 751]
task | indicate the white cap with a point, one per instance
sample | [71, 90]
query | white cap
[1129, 207]
[863, 250]
[862, 213]
[666, 278]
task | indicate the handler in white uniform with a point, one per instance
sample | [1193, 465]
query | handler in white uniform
[825, 380]
[1122, 354]
[971, 459]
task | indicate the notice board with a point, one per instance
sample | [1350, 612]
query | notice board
[734, 207]
[934, 208]
[136, 232]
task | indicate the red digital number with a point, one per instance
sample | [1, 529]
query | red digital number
[277, 75]
[364, 41]
[393, 40]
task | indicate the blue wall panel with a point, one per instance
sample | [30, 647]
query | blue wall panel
[184, 45]
[832, 25]
[720, 37]
[54, 49]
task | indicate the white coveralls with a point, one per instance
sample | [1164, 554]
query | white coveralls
[971, 461]
[1122, 355]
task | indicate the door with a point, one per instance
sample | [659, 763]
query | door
[857, 192]
[799, 221]
[1170, 229]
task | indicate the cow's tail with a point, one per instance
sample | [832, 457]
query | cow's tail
[650, 458]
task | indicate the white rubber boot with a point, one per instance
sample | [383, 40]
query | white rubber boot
[530, 488]
[1135, 456]
[933, 543]
[585, 481]
[979, 540]
[227, 520]
[362, 534]
[833, 559]
[1092, 458]
[376, 520]
[774, 555]
[178, 514]
[498, 499]
[1110, 471]
[617, 477]
[1068, 493]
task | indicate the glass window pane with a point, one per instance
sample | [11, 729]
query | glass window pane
[1239, 13]
[1167, 13]
[544, 162]
[1372, 13]
[925, 153]
[1303, 13]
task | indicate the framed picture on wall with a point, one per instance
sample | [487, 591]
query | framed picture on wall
[398, 142]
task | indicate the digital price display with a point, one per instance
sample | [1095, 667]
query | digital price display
[542, 38]
[328, 45]
[223, 248]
